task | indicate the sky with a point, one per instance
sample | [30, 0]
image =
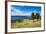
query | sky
[24, 10]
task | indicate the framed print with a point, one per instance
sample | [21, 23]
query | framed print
[23, 16]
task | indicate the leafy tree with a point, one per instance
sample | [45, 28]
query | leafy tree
[37, 16]
[33, 16]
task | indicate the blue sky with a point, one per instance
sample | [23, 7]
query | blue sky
[24, 10]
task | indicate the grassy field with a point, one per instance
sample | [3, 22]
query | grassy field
[26, 24]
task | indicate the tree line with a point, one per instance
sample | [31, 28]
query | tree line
[35, 16]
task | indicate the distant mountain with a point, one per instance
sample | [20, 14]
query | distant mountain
[20, 17]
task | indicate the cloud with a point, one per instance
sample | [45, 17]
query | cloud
[15, 12]
[27, 14]
[21, 13]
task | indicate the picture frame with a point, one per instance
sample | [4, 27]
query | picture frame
[23, 3]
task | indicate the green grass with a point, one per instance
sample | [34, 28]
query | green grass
[26, 24]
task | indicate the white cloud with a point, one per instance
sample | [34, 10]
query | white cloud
[27, 14]
[19, 12]
[16, 12]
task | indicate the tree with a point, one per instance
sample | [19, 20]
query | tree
[33, 16]
[37, 16]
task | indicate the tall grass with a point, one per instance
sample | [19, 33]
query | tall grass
[26, 24]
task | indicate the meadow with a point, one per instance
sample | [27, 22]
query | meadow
[26, 23]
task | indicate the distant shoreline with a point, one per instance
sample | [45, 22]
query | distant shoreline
[20, 17]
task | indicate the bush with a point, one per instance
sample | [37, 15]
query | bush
[14, 21]
[19, 21]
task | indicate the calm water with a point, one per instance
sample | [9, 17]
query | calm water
[20, 17]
